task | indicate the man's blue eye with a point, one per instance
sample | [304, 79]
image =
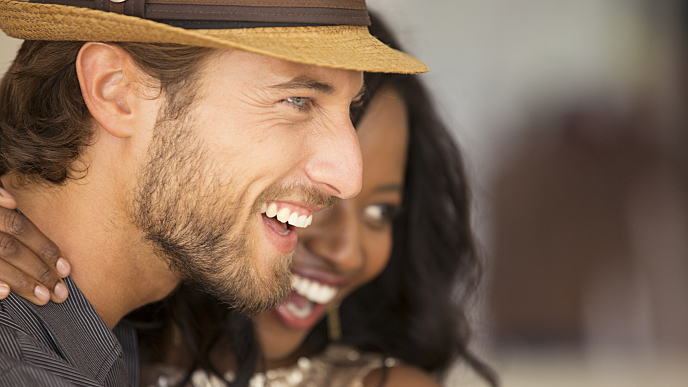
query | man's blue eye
[298, 101]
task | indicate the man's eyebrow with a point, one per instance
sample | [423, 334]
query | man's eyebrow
[305, 83]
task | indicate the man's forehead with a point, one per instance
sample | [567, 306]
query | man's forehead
[310, 83]
[276, 74]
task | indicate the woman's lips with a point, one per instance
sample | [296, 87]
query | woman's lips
[297, 312]
[314, 290]
[316, 274]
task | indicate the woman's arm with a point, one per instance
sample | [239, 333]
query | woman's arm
[30, 263]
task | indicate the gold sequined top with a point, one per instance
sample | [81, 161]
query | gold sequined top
[337, 366]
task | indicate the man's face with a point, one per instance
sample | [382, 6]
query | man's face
[263, 134]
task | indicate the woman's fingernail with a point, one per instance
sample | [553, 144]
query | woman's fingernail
[4, 290]
[61, 291]
[62, 267]
[4, 193]
[42, 293]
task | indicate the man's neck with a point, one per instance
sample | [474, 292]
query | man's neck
[111, 263]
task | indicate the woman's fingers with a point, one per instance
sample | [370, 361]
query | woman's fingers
[21, 258]
[4, 290]
[7, 200]
[26, 248]
[20, 227]
[33, 263]
[23, 285]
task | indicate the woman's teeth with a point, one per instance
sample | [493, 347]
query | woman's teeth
[301, 312]
[286, 216]
[314, 291]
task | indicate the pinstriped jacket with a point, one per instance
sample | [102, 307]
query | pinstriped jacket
[65, 344]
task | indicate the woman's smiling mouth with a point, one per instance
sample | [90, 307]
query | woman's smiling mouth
[304, 306]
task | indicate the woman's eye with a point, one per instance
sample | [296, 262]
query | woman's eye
[299, 102]
[380, 215]
[357, 103]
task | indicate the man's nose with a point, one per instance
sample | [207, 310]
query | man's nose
[336, 166]
[335, 237]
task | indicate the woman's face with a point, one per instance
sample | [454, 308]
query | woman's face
[349, 244]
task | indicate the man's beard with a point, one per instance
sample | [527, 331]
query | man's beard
[192, 219]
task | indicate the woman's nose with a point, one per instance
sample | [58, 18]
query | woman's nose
[334, 236]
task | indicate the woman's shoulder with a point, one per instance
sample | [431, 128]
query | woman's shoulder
[337, 366]
[352, 367]
[400, 376]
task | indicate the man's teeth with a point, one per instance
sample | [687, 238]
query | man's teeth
[293, 218]
[314, 291]
[286, 216]
[283, 215]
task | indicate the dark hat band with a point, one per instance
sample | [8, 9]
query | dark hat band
[202, 14]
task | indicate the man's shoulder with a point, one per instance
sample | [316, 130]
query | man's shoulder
[19, 326]
[25, 362]
[17, 373]
[14, 371]
[10, 331]
[66, 342]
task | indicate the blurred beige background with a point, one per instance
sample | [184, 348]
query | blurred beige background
[8, 48]
[571, 116]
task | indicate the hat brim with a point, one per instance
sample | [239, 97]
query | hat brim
[343, 47]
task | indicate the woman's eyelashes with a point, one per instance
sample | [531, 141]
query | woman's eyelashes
[380, 215]
[356, 103]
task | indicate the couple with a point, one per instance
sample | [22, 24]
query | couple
[146, 215]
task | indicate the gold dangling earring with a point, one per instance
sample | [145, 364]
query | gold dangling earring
[176, 335]
[334, 328]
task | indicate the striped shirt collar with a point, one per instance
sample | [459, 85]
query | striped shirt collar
[74, 331]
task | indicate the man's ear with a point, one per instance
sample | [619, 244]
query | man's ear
[106, 74]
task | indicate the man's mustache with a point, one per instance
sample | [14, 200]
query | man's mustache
[302, 193]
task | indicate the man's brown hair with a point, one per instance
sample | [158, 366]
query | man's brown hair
[44, 122]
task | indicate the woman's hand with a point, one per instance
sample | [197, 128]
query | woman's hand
[30, 263]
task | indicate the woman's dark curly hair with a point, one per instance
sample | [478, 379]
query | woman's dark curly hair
[413, 310]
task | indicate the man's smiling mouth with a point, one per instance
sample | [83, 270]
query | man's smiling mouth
[282, 217]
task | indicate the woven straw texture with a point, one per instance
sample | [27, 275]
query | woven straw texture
[344, 47]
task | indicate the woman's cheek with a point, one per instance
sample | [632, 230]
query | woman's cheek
[377, 251]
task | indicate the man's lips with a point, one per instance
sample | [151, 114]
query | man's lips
[280, 235]
[277, 226]
[281, 219]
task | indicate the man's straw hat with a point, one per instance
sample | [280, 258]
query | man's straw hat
[329, 33]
